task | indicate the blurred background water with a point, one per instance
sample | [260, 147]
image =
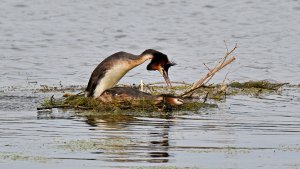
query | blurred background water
[52, 41]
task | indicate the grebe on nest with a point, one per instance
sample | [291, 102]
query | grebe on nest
[108, 73]
[129, 94]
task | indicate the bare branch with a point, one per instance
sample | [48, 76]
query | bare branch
[226, 45]
[224, 62]
[206, 66]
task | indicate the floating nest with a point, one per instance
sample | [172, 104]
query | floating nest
[204, 97]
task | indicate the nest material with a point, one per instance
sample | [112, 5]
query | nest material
[147, 102]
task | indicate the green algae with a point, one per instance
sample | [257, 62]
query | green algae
[94, 145]
[58, 88]
[80, 145]
[143, 105]
[288, 148]
[114, 106]
[21, 157]
[257, 84]
[225, 150]
[196, 101]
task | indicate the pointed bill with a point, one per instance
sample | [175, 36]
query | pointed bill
[164, 73]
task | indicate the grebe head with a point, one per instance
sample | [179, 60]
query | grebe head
[169, 99]
[159, 62]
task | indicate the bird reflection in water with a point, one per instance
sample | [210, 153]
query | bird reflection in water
[132, 138]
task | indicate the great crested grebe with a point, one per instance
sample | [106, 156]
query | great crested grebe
[129, 94]
[107, 74]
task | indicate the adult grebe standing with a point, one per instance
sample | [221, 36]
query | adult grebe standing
[108, 73]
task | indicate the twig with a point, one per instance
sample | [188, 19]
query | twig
[63, 107]
[205, 98]
[158, 83]
[206, 66]
[208, 76]
[227, 54]
[225, 77]
[224, 62]
[213, 71]
[226, 45]
[52, 99]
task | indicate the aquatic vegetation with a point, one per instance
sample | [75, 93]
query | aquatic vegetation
[93, 145]
[60, 88]
[294, 148]
[198, 99]
[80, 145]
[254, 88]
[225, 150]
[143, 105]
[21, 157]
[257, 84]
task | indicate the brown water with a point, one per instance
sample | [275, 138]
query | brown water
[60, 43]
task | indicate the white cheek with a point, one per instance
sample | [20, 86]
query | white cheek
[178, 102]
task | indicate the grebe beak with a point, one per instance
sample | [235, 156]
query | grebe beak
[164, 73]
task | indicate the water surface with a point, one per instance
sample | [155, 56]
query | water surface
[244, 132]
[59, 43]
[49, 42]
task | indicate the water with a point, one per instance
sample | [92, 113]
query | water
[49, 42]
[61, 42]
[244, 132]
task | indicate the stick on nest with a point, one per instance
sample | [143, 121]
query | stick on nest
[211, 72]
